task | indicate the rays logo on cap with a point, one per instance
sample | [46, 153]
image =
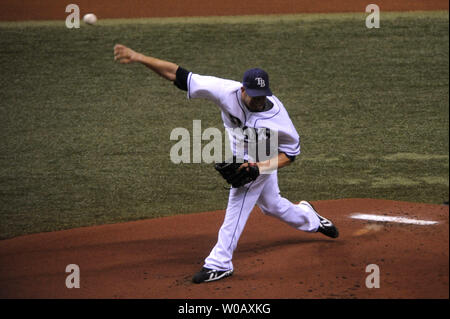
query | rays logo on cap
[261, 82]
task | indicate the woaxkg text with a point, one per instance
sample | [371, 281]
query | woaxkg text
[245, 308]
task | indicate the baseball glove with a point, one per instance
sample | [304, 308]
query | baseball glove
[237, 177]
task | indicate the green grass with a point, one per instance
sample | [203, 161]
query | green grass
[86, 141]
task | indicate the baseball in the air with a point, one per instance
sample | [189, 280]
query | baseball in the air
[90, 18]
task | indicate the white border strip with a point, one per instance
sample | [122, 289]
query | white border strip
[403, 220]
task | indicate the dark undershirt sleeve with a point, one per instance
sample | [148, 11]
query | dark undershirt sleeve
[181, 79]
[291, 158]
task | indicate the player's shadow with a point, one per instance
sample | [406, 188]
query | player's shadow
[192, 249]
[269, 245]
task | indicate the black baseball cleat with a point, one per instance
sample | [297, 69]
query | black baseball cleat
[326, 227]
[207, 275]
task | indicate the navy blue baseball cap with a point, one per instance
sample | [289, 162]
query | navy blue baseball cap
[256, 83]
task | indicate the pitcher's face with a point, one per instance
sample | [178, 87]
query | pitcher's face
[255, 103]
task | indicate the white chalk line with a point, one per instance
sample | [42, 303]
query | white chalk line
[392, 219]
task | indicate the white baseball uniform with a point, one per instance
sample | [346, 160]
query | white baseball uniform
[264, 191]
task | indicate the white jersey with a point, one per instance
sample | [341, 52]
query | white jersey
[227, 95]
[264, 190]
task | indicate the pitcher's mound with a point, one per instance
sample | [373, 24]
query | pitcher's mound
[156, 258]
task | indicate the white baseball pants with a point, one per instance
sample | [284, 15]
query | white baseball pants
[264, 192]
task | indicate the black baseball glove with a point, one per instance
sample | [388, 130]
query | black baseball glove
[237, 177]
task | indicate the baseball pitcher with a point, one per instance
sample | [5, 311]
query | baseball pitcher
[252, 116]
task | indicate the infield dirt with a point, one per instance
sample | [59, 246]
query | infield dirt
[156, 258]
